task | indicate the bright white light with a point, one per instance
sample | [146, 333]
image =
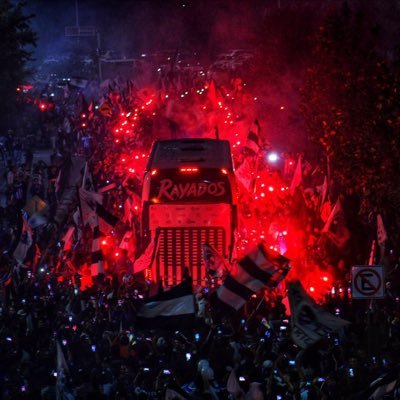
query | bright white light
[273, 157]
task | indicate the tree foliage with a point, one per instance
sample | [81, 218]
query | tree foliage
[351, 104]
[17, 40]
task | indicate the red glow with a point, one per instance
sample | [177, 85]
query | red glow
[154, 172]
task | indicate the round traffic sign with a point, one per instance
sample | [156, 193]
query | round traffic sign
[368, 281]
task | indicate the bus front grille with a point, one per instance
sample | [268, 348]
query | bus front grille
[181, 248]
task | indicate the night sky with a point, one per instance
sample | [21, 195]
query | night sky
[136, 26]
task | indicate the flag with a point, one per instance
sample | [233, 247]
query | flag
[107, 187]
[297, 177]
[62, 369]
[383, 385]
[96, 266]
[214, 262]
[35, 205]
[309, 322]
[335, 227]
[173, 309]
[91, 206]
[81, 104]
[78, 82]
[146, 260]
[381, 231]
[25, 242]
[372, 253]
[128, 243]
[57, 185]
[6, 277]
[259, 268]
[67, 239]
[106, 216]
[88, 201]
[87, 179]
[37, 220]
[252, 141]
[233, 385]
[105, 109]
[175, 392]
[245, 175]
[212, 94]
[324, 192]
[326, 210]
[91, 110]
[127, 218]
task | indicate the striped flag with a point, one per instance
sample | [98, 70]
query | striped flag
[106, 216]
[214, 262]
[91, 206]
[88, 201]
[96, 266]
[252, 141]
[146, 260]
[173, 309]
[259, 268]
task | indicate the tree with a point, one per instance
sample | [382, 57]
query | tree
[17, 39]
[351, 104]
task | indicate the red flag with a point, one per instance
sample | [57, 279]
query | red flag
[335, 227]
[297, 177]
[67, 239]
[245, 175]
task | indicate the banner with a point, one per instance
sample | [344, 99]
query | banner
[309, 322]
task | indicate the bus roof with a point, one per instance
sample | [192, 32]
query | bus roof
[209, 153]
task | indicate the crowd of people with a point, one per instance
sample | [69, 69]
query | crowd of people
[69, 334]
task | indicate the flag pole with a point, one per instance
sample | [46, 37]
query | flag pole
[254, 311]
